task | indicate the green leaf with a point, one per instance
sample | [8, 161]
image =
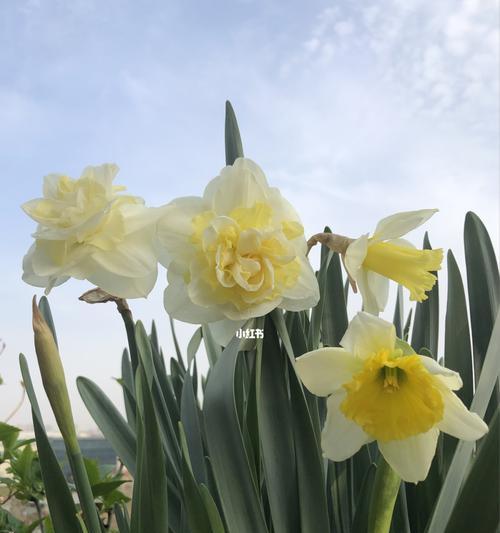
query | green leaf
[311, 481]
[149, 504]
[334, 320]
[426, 323]
[191, 423]
[193, 345]
[8, 436]
[360, 522]
[122, 520]
[212, 511]
[234, 148]
[109, 420]
[105, 488]
[477, 507]
[399, 313]
[212, 348]
[458, 467]
[196, 512]
[483, 283]
[176, 345]
[59, 498]
[231, 468]
[276, 432]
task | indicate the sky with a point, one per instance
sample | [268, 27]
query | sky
[355, 110]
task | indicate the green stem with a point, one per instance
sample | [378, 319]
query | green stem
[384, 494]
[83, 489]
[128, 320]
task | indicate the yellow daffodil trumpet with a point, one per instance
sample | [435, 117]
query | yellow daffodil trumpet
[372, 261]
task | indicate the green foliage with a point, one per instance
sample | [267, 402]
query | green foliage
[247, 459]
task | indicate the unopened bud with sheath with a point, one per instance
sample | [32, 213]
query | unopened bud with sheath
[54, 381]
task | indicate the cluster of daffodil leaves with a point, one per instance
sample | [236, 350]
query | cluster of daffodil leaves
[239, 252]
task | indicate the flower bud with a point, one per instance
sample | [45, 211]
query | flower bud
[53, 378]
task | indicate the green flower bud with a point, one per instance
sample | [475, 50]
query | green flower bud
[53, 379]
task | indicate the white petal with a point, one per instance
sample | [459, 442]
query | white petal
[178, 304]
[449, 377]
[175, 228]
[124, 286]
[411, 458]
[341, 438]
[31, 278]
[305, 293]
[374, 289]
[239, 185]
[367, 334]
[459, 421]
[399, 224]
[325, 370]
[133, 257]
[223, 330]
[355, 255]
[402, 242]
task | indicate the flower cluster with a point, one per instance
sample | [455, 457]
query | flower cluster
[239, 252]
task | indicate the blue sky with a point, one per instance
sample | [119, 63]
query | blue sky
[355, 110]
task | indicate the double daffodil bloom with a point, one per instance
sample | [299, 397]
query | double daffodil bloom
[87, 230]
[372, 261]
[237, 252]
[379, 389]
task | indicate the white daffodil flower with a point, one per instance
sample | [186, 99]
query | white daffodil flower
[372, 261]
[86, 230]
[236, 253]
[379, 389]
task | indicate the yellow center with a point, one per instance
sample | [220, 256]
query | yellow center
[407, 266]
[245, 258]
[393, 397]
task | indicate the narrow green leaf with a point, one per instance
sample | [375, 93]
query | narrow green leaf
[398, 318]
[458, 467]
[212, 511]
[426, 323]
[231, 469]
[109, 420]
[122, 520]
[234, 147]
[457, 347]
[334, 320]
[193, 345]
[150, 504]
[191, 423]
[276, 432]
[176, 344]
[478, 505]
[44, 307]
[311, 480]
[59, 498]
[360, 522]
[212, 348]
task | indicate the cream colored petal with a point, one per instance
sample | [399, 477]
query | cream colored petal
[399, 224]
[124, 286]
[459, 421]
[411, 458]
[175, 228]
[223, 330]
[179, 306]
[355, 255]
[253, 311]
[239, 185]
[325, 370]
[341, 438]
[374, 290]
[134, 257]
[103, 174]
[449, 377]
[367, 334]
[305, 293]
[31, 278]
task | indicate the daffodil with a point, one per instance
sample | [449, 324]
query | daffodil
[372, 261]
[380, 390]
[87, 230]
[235, 253]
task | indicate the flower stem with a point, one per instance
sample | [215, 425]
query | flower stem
[384, 494]
[128, 320]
